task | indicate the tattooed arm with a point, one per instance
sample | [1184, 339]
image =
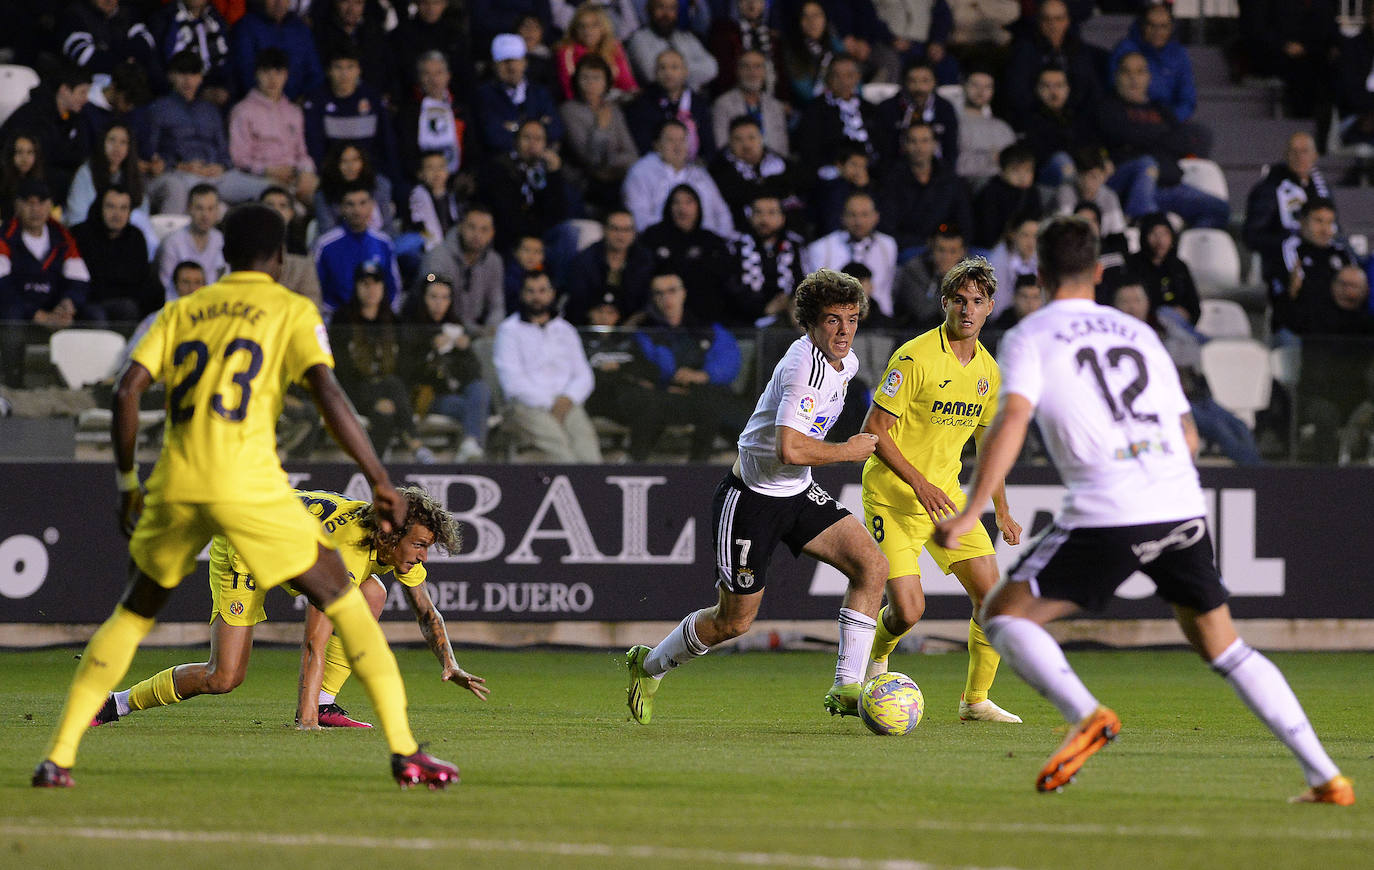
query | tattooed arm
[436, 635]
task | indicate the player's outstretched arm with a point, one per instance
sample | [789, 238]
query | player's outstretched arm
[343, 424]
[432, 626]
[124, 436]
[1000, 449]
[318, 628]
[798, 448]
[936, 501]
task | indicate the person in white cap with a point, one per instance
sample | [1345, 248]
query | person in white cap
[510, 99]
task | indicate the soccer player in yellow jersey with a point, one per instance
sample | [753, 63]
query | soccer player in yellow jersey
[940, 389]
[237, 606]
[227, 353]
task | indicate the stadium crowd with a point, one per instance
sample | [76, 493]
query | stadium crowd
[444, 164]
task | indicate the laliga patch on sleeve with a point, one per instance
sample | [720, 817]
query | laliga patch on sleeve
[806, 408]
[322, 336]
[892, 383]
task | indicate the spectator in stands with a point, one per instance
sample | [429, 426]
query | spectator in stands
[340, 252]
[435, 121]
[122, 288]
[916, 289]
[545, 377]
[1009, 198]
[982, 135]
[746, 168]
[267, 131]
[197, 25]
[57, 119]
[297, 270]
[624, 390]
[1354, 93]
[859, 241]
[1272, 207]
[1300, 281]
[342, 23]
[837, 117]
[1166, 278]
[1292, 41]
[751, 96]
[1088, 183]
[509, 100]
[697, 360]
[22, 158]
[865, 37]
[525, 187]
[1051, 43]
[1146, 142]
[1054, 130]
[187, 133]
[198, 241]
[433, 25]
[1342, 311]
[433, 208]
[1215, 424]
[368, 359]
[1027, 298]
[850, 174]
[467, 257]
[747, 31]
[612, 272]
[1171, 72]
[98, 35]
[441, 368]
[769, 262]
[662, 33]
[1111, 255]
[492, 17]
[679, 243]
[921, 30]
[527, 255]
[347, 111]
[917, 101]
[272, 24]
[981, 26]
[344, 166]
[600, 147]
[668, 97]
[539, 68]
[811, 47]
[1013, 257]
[921, 193]
[654, 175]
[117, 163]
[591, 32]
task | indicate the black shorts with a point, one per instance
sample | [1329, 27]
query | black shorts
[746, 527]
[1086, 566]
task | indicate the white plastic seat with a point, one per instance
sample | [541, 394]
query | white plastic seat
[167, 223]
[877, 92]
[1223, 318]
[15, 83]
[85, 356]
[589, 232]
[1239, 375]
[1205, 175]
[954, 94]
[1212, 257]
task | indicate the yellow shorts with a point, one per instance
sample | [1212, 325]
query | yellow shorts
[235, 596]
[277, 539]
[901, 535]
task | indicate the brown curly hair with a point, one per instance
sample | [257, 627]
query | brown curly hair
[422, 509]
[825, 287]
[970, 270]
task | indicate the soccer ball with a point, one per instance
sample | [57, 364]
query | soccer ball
[891, 703]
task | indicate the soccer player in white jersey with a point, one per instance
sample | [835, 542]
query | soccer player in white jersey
[768, 496]
[1114, 418]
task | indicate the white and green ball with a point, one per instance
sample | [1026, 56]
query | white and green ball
[891, 703]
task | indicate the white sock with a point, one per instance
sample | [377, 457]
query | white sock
[678, 648]
[122, 703]
[1261, 685]
[856, 642]
[326, 698]
[1038, 660]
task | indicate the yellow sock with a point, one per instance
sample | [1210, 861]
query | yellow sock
[375, 665]
[103, 665]
[884, 641]
[982, 665]
[336, 669]
[159, 690]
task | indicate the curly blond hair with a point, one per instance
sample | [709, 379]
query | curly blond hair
[422, 509]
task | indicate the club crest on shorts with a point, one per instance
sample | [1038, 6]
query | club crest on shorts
[744, 578]
[892, 383]
[806, 407]
[983, 386]
[236, 608]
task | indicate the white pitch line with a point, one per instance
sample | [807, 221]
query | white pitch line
[475, 844]
[1099, 830]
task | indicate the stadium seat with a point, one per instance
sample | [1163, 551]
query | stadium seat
[1212, 257]
[1205, 175]
[953, 93]
[1238, 373]
[876, 92]
[166, 224]
[15, 83]
[85, 356]
[589, 232]
[1223, 318]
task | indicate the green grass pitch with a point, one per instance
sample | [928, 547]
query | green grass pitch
[741, 767]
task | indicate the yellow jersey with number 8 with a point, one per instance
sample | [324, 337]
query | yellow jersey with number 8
[227, 353]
